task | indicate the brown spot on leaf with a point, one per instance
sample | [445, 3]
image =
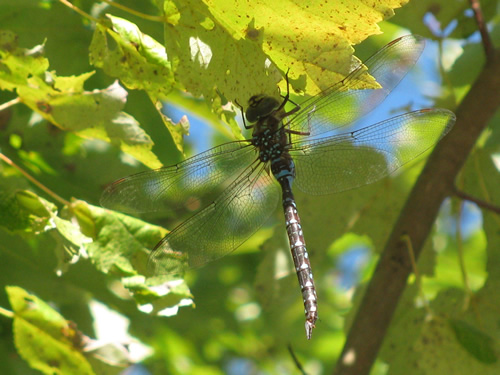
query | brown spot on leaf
[44, 107]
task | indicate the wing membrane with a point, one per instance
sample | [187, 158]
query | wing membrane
[342, 104]
[167, 188]
[349, 160]
[219, 228]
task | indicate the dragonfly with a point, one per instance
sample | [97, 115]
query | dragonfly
[312, 146]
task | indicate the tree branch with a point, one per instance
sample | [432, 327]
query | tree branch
[416, 219]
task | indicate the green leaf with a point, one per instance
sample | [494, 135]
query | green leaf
[122, 245]
[12, 215]
[160, 296]
[476, 342]
[43, 218]
[18, 64]
[44, 338]
[122, 242]
[43, 209]
[444, 16]
[94, 115]
[34, 204]
[63, 102]
[138, 60]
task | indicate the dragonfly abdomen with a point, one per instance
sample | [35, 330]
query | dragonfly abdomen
[283, 170]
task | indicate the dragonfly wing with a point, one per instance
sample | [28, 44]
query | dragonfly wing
[342, 104]
[219, 228]
[170, 187]
[349, 160]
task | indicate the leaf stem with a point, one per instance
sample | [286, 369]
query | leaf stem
[79, 11]
[34, 181]
[7, 313]
[10, 103]
[135, 12]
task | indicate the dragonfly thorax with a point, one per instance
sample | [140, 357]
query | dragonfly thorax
[270, 143]
[266, 114]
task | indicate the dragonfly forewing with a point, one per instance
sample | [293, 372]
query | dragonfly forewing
[200, 177]
[347, 101]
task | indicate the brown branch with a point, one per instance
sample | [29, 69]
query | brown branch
[417, 217]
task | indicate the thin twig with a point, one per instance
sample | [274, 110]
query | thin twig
[79, 11]
[479, 202]
[10, 103]
[460, 254]
[135, 12]
[6, 313]
[296, 360]
[34, 181]
[418, 278]
[485, 36]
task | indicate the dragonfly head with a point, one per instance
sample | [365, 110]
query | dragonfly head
[260, 106]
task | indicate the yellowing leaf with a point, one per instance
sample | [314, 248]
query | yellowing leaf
[229, 41]
[209, 57]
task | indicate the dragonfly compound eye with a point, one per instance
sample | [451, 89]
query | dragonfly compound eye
[260, 106]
